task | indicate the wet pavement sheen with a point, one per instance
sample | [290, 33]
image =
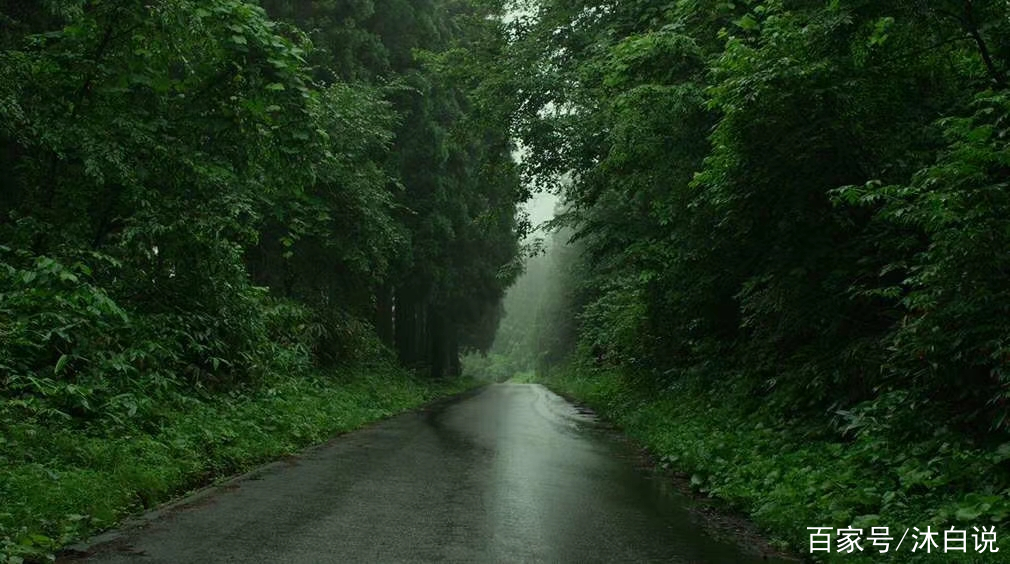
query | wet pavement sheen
[511, 473]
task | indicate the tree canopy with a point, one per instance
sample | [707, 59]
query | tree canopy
[807, 194]
[197, 193]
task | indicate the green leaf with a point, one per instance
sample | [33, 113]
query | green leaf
[60, 364]
[967, 513]
[747, 23]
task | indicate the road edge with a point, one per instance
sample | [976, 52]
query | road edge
[87, 547]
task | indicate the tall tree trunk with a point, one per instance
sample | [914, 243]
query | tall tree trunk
[422, 334]
[405, 326]
[971, 25]
[444, 347]
[437, 349]
[384, 314]
[455, 368]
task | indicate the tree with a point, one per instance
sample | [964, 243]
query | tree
[780, 190]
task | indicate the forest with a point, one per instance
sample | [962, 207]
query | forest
[209, 211]
[779, 260]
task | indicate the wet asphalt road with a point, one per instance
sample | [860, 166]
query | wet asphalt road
[511, 473]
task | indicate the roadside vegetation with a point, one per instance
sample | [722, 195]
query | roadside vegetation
[780, 256]
[787, 474]
[62, 483]
[208, 210]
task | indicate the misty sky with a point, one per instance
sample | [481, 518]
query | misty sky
[541, 208]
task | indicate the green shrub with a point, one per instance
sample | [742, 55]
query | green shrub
[60, 483]
[865, 470]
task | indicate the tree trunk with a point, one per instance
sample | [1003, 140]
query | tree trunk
[384, 314]
[441, 362]
[455, 368]
[971, 24]
[405, 326]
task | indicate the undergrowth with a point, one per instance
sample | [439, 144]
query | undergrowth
[788, 474]
[60, 483]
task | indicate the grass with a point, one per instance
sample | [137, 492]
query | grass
[788, 476]
[60, 483]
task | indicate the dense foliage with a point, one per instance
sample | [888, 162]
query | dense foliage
[200, 195]
[798, 202]
[719, 443]
[195, 194]
[810, 194]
